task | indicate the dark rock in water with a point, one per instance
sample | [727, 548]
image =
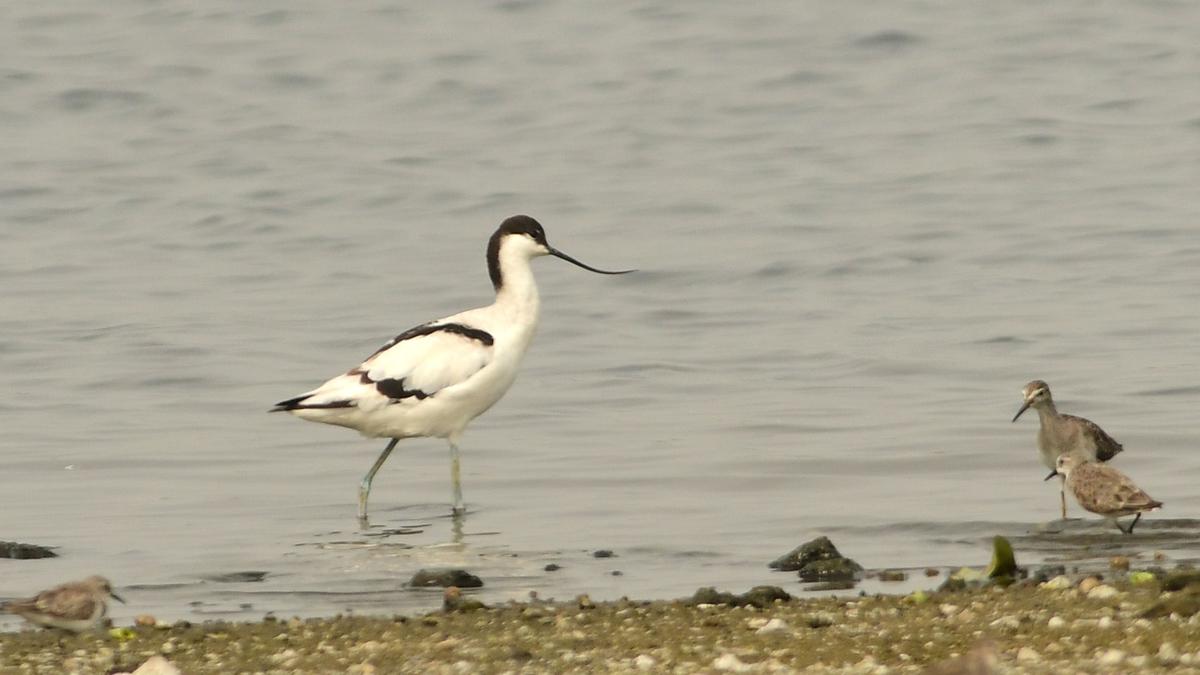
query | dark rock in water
[237, 577]
[445, 578]
[1047, 572]
[18, 551]
[603, 553]
[759, 596]
[893, 575]
[817, 549]
[1180, 579]
[552, 567]
[831, 586]
[835, 569]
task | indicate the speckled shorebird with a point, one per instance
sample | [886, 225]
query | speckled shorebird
[77, 606]
[1103, 490]
[432, 380]
[1060, 434]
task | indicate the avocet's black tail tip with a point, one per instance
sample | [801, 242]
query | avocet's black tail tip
[290, 404]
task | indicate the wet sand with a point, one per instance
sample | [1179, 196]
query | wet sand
[1025, 628]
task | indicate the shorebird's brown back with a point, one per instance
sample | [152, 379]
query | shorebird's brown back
[1106, 446]
[1103, 490]
[69, 601]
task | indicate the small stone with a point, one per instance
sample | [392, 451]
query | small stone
[1088, 584]
[1056, 622]
[1111, 657]
[1104, 623]
[1058, 583]
[145, 620]
[931, 572]
[1167, 654]
[821, 620]
[893, 575]
[1102, 592]
[644, 662]
[731, 664]
[603, 553]
[584, 602]
[157, 665]
[1007, 622]
[1028, 655]
[552, 567]
[948, 609]
[773, 627]
[1119, 562]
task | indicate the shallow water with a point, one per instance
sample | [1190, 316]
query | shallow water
[861, 229]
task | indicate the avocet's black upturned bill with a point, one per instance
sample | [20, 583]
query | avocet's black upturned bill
[434, 379]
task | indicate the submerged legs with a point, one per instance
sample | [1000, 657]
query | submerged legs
[365, 488]
[456, 479]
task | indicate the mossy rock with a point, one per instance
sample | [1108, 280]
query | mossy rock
[809, 552]
[838, 569]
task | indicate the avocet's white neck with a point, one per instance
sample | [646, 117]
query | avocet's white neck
[517, 293]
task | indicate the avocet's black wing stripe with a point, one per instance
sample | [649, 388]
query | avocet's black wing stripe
[482, 336]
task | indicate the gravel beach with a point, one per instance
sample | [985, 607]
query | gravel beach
[1063, 626]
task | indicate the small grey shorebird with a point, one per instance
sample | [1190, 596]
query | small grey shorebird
[1103, 490]
[1060, 434]
[432, 380]
[76, 606]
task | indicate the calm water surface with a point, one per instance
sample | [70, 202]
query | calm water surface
[862, 227]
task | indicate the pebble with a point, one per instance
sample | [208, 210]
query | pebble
[1101, 592]
[1118, 562]
[644, 662]
[731, 664]
[1059, 583]
[1104, 623]
[948, 609]
[145, 620]
[1088, 584]
[821, 620]
[1028, 655]
[931, 572]
[1009, 622]
[1167, 654]
[773, 627]
[1111, 657]
[1056, 622]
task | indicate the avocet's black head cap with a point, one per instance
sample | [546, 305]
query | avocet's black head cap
[524, 225]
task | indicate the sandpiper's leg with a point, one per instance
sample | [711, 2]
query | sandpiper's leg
[1062, 493]
[456, 480]
[365, 488]
[1135, 522]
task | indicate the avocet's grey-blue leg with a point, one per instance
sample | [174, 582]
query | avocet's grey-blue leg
[364, 490]
[456, 479]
